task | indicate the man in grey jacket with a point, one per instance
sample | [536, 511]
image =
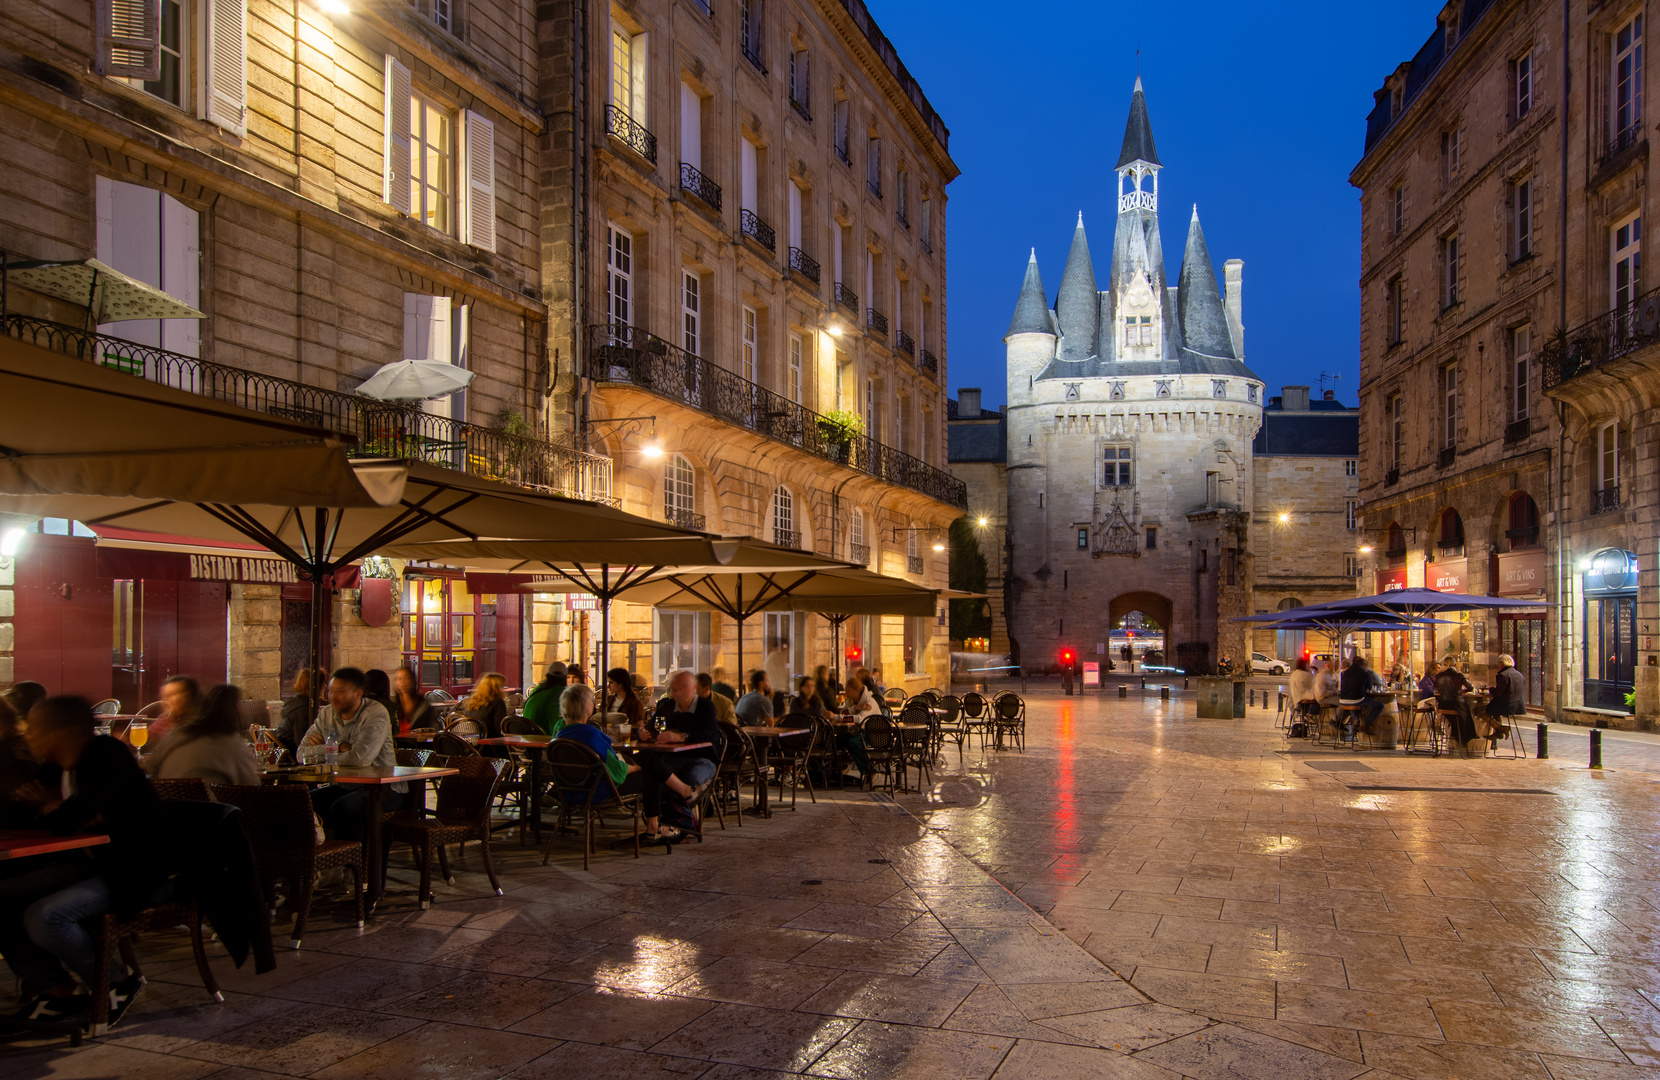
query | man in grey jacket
[364, 733]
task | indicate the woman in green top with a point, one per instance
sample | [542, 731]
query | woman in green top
[542, 706]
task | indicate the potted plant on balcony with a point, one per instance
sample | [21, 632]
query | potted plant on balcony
[837, 430]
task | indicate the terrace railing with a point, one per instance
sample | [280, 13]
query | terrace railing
[1610, 336]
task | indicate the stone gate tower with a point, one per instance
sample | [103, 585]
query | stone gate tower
[1130, 419]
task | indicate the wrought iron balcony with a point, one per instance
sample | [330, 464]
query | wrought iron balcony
[876, 321]
[858, 554]
[1393, 476]
[903, 219]
[752, 53]
[927, 245]
[875, 188]
[633, 135]
[685, 519]
[1610, 336]
[757, 230]
[1606, 499]
[905, 343]
[693, 182]
[913, 564]
[930, 364]
[847, 298]
[382, 429]
[630, 356]
[1446, 456]
[786, 538]
[841, 152]
[1517, 430]
[800, 108]
[804, 264]
[1623, 141]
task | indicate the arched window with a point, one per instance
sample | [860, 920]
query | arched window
[783, 518]
[857, 551]
[680, 493]
[1451, 542]
[1522, 529]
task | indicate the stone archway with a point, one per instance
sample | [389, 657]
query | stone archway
[1158, 609]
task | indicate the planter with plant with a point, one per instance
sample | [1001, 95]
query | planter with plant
[837, 430]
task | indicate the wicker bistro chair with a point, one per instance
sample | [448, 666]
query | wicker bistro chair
[916, 748]
[282, 830]
[953, 726]
[738, 763]
[462, 814]
[115, 934]
[448, 744]
[582, 786]
[107, 707]
[463, 727]
[794, 756]
[412, 759]
[514, 788]
[188, 790]
[977, 718]
[882, 749]
[892, 699]
[1010, 722]
[825, 753]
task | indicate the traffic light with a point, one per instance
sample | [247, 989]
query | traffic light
[1067, 657]
[854, 654]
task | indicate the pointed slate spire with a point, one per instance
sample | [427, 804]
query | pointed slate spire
[1076, 305]
[1198, 300]
[1138, 132]
[1031, 311]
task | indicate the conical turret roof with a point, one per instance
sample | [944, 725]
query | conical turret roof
[1077, 304]
[1031, 311]
[1138, 132]
[1199, 301]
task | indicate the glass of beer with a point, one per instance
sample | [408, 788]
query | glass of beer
[138, 733]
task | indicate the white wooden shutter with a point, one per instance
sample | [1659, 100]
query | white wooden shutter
[637, 108]
[224, 87]
[478, 193]
[461, 340]
[181, 273]
[691, 127]
[129, 38]
[795, 214]
[396, 146]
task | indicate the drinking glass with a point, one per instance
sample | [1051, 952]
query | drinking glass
[138, 734]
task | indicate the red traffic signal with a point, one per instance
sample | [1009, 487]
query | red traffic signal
[854, 654]
[1067, 657]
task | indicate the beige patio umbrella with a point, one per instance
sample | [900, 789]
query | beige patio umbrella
[106, 293]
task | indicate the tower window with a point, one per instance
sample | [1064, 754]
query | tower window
[1152, 538]
[1119, 460]
[1083, 539]
[1138, 330]
[1219, 388]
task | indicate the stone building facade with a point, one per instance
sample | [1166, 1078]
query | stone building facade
[337, 187]
[1506, 341]
[978, 452]
[756, 209]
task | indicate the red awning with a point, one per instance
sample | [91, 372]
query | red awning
[130, 553]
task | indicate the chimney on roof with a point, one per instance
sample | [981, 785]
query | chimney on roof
[1296, 398]
[1329, 395]
[968, 402]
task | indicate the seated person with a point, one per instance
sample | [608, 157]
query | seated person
[488, 704]
[209, 746]
[859, 701]
[1450, 688]
[364, 734]
[17, 764]
[722, 686]
[1358, 680]
[87, 782]
[1327, 689]
[726, 712]
[806, 698]
[411, 711]
[182, 696]
[24, 696]
[1426, 685]
[542, 706]
[297, 711]
[1509, 692]
[621, 698]
[755, 707]
[1304, 699]
[683, 717]
[576, 705]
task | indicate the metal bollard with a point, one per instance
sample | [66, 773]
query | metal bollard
[1123, 690]
[1184, 684]
[1164, 692]
[1144, 682]
[1596, 748]
[1544, 742]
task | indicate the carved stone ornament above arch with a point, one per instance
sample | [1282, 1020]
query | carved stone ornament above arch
[1117, 531]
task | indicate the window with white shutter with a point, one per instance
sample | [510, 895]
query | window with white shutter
[478, 213]
[129, 38]
[395, 152]
[149, 235]
[224, 88]
[434, 329]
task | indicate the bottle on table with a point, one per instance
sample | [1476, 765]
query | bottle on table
[331, 750]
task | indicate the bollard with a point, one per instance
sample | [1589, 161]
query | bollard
[1144, 682]
[1596, 748]
[1544, 742]
[1164, 692]
[1184, 684]
[1123, 690]
[1282, 701]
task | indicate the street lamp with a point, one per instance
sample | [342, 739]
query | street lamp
[651, 449]
[1285, 518]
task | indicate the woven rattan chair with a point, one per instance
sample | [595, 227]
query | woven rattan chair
[448, 744]
[117, 934]
[462, 814]
[738, 763]
[282, 829]
[1010, 721]
[582, 786]
[882, 749]
[916, 747]
[188, 790]
[794, 756]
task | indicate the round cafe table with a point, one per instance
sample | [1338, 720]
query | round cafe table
[1386, 729]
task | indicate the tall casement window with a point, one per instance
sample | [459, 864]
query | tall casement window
[679, 492]
[440, 165]
[1449, 406]
[1627, 257]
[628, 73]
[902, 196]
[1351, 515]
[1627, 98]
[1608, 460]
[1450, 269]
[1118, 468]
[749, 345]
[800, 82]
[149, 235]
[1397, 210]
[1452, 154]
[171, 52]
[619, 276]
[691, 126]
[430, 165]
[749, 30]
[857, 551]
[1395, 417]
[691, 326]
[1521, 219]
[1138, 330]
[839, 122]
[435, 328]
[1521, 351]
[783, 517]
[793, 390]
[149, 47]
[1521, 76]
[873, 165]
[1394, 307]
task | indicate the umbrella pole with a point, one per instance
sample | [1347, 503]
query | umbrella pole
[604, 625]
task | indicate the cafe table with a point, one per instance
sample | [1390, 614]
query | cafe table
[534, 747]
[19, 844]
[764, 737]
[375, 779]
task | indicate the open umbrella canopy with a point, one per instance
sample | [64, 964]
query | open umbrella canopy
[1421, 601]
[415, 380]
[105, 438]
[106, 293]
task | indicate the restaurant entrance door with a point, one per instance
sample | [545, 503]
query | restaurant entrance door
[1523, 637]
[451, 635]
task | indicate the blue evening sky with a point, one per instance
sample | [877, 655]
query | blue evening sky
[1258, 111]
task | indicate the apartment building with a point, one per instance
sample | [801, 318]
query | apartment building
[1508, 337]
[754, 201]
[337, 185]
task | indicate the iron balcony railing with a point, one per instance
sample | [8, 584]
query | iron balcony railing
[906, 344]
[786, 538]
[858, 554]
[382, 429]
[1392, 476]
[927, 245]
[876, 321]
[1517, 430]
[752, 53]
[847, 298]
[841, 153]
[1446, 457]
[1610, 336]
[693, 182]
[801, 109]
[757, 230]
[632, 134]
[913, 564]
[1623, 141]
[875, 188]
[684, 518]
[1606, 499]
[626, 355]
[804, 264]
[930, 363]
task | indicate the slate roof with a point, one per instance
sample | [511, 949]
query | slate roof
[1031, 311]
[1326, 433]
[1138, 132]
[971, 440]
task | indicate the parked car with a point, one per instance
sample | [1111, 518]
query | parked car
[1263, 663]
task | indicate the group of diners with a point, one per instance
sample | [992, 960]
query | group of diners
[1317, 692]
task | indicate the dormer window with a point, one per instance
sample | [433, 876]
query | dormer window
[1138, 330]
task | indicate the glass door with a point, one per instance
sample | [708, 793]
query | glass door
[1523, 637]
[440, 632]
[682, 643]
[1610, 650]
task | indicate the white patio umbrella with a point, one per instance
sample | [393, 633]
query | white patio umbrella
[415, 380]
